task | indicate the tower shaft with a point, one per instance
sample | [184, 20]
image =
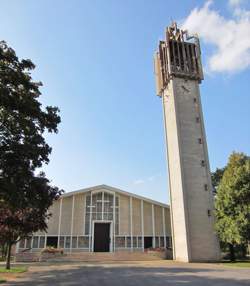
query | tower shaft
[179, 72]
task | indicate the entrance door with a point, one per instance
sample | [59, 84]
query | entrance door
[148, 242]
[101, 237]
[52, 241]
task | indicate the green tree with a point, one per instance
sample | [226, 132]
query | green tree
[25, 196]
[233, 203]
[216, 177]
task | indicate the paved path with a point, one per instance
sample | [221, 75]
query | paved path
[154, 273]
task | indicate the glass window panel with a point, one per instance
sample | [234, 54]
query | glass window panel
[99, 207]
[161, 241]
[128, 241]
[94, 198]
[139, 241]
[120, 241]
[67, 242]
[93, 216]
[87, 218]
[156, 241]
[116, 222]
[35, 242]
[74, 242]
[42, 242]
[83, 242]
[88, 201]
[61, 242]
[116, 201]
[168, 241]
[134, 241]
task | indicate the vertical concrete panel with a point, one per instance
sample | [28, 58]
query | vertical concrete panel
[79, 214]
[66, 215]
[54, 219]
[124, 215]
[158, 220]
[167, 222]
[147, 210]
[136, 217]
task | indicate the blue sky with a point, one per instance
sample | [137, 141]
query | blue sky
[95, 60]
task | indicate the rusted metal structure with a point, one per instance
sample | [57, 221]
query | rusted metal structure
[179, 55]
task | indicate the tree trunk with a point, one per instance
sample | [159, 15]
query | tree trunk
[232, 254]
[8, 255]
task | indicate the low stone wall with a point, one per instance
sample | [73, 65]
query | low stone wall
[161, 253]
[36, 256]
[51, 254]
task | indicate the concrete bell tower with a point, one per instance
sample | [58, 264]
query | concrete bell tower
[178, 72]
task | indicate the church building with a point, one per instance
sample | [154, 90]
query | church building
[103, 219]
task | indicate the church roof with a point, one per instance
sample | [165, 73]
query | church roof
[113, 189]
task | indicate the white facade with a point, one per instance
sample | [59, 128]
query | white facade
[126, 222]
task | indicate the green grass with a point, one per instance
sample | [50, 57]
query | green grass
[243, 263]
[13, 270]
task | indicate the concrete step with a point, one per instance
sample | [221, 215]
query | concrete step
[116, 256]
[91, 256]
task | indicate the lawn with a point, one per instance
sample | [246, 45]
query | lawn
[11, 273]
[13, 270]
[243, 263]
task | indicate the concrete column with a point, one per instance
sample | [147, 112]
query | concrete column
[90, 224]
[72, 222]
[114, 222]
[164, 226]
[142, 225]
[59, 223]
[153, 224]
[131, 220]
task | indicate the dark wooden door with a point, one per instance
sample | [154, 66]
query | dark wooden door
[148, 242]
[101, 237]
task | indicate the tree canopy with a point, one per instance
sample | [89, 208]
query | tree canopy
[25, 195]
[216, 177]
[233, 201]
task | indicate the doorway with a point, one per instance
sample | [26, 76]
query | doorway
[52, 241]
[101, 237]
[148, 242]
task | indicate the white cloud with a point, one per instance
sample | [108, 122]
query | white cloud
[230, 37]
[146, 180]
[234, 3]
[139, 182]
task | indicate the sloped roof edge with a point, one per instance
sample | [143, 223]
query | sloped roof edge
[99, 187]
